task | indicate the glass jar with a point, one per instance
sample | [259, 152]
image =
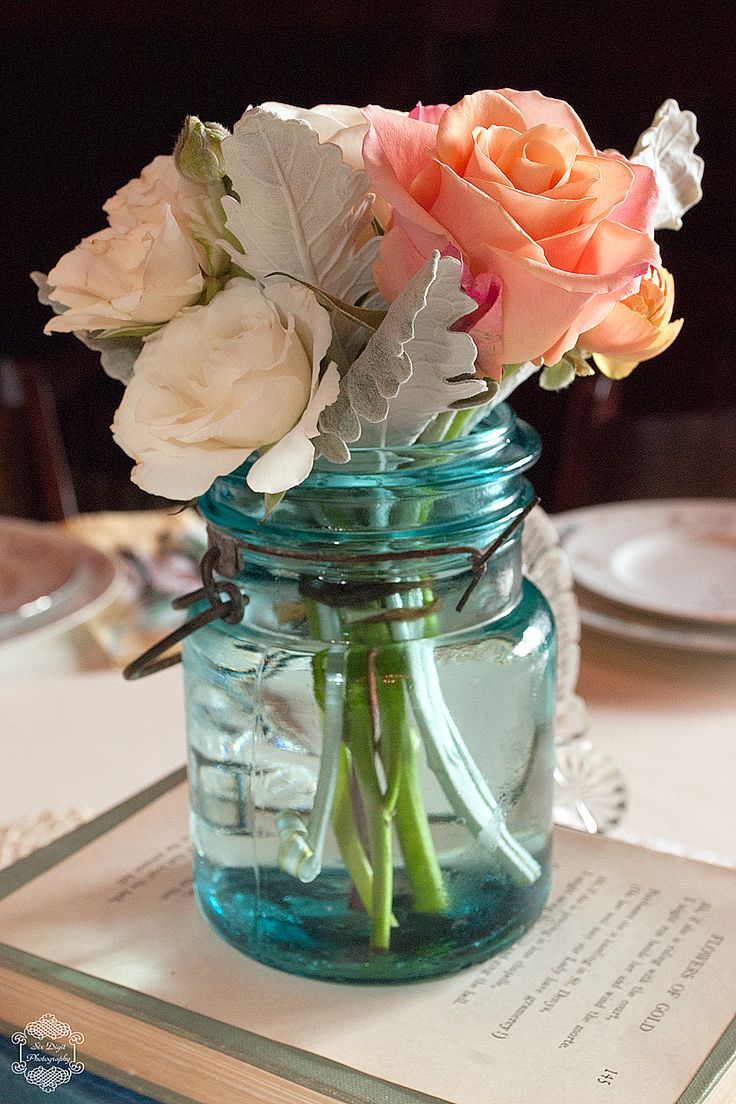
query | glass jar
[370, 759]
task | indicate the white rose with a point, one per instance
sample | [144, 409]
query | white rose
[344, 126]
[222, 380]
[144, 200]
[126, 278]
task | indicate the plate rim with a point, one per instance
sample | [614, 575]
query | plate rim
[68, 616]
[618, 593]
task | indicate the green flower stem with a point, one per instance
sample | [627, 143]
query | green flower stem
[437, 429]
[410, 817]
[342, 814]
[399, 748]
[455, 769]
[457, 426]
[449, 758]
[360, 733]
[302, 845]
[348, 837]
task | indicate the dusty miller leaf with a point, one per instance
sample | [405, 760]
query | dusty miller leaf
[117, 354]
[442, 360]
[667, 148]
[301, 210]
[412, 368]
[44, 293]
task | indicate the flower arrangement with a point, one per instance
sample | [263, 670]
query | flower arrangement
[320, 279]
[430, 263]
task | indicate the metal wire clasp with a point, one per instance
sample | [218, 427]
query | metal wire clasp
[479, 560]
[229, 609]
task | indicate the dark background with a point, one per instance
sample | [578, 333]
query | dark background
[95, 92]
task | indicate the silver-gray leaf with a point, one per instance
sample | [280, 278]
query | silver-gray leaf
[302, 210]
[412, 368]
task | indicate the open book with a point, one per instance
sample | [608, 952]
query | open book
[623, 992]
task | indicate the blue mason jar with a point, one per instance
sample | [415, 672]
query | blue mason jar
[370, 759]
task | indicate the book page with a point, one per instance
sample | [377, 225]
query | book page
[617, 994]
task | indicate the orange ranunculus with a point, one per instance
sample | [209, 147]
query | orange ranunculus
[556, 230]
[638, 328]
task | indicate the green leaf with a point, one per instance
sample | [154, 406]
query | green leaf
[128, 331]
[554, 377]
[270, 502]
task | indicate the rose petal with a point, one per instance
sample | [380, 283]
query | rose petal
[428, 113]
[290, 460]
[615, 368]
[167, 470]
[485, 325]
[537, 108]
[639, 208]
[395, 152]
[471, 217]
[622, 331]
[455, 129]
[539, 216]
[545, 308]
[398, 261]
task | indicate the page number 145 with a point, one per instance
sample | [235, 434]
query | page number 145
[606, 1078]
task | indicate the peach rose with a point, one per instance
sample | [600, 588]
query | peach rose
[552, 230]
[638, 328]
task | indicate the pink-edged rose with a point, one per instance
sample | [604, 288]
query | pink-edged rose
[554, 231]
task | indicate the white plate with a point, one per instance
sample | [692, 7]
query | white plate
[629, 624]
[49, 580]
[674, 557]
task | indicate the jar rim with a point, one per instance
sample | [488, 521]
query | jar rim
[500, 445]
[459, 493]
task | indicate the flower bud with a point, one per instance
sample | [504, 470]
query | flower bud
[197, 153]
[636, 329]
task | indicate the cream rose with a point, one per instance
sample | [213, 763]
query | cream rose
[340, 124]
[129, 278]
[145, 200]
[222, 380]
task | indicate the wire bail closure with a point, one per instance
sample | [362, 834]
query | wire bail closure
[231, 608]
